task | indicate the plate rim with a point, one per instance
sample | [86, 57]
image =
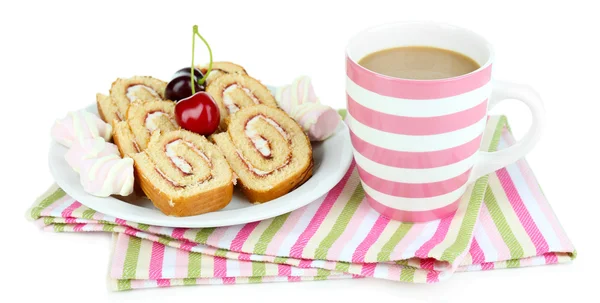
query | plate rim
[261, 211]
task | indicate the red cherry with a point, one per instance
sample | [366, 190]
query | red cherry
[198, 113]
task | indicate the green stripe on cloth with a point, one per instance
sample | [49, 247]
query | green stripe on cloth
[342, 266]
[266, 237]
[342, 113]
[322, 274]
[465, 234]
[280, 260]
[254, 279]
[573, 255]
[388, 247]
[142, 226]
[53, 197]
[472, 213]
[131, 257]
[341, 223]
[402, 262]
[514, 263]
[203, 235]
[123, 284]
[88, 214]
[59, 227]
[194, 265]
[221, 253]
[189, 281]
[164, 241]
[259, 269]
[502, 122]
[407, 274]
[108, 227]
[516, 251]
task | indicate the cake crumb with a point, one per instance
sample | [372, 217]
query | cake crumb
[234, 179]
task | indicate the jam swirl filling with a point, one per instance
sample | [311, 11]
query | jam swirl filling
[185, 164]
[232, 102]
[263, 146]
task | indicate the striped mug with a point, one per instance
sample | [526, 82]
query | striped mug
[416, 142]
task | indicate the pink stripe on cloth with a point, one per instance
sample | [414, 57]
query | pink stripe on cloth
[315, 222]
[229, 280]
[216, 235]
[187, 245]
[163, 282]
[79, 227]
[131, 231]
[394, 272]
[477, 255]
[540, 198]
[437, 238]
[413, 216]
[305, 263]
[284, 270]
[427, 263]
[489, 227]
[416, 126]
[541, 246]
[551, 258]
[349, 232]
[414, 159]
[410, 237]
[156, 261]
[70, 220]
[487, 266]
[244, 257]
[413, 190]
[286, 229]
[181, 263]
[220, 267]
[368, 269]
[69, 210]
[120, 221]
[294, 279]
[359, 254]
[178, 233]
[433, 276]
[242, 236]
[416, 89]
[137, 284]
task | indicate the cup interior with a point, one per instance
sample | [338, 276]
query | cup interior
[432, 34]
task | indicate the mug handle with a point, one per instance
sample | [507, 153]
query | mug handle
[488, 162]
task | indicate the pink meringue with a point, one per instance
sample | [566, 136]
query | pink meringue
[299, 100]
[80, 125]
[107, 175]
[89, 149]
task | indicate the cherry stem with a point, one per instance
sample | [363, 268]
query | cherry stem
[201, 81]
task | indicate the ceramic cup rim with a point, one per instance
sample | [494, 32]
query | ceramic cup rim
[476, 37]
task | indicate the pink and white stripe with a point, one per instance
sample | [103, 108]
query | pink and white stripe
[415, 166]
[415, 141]
[530, 190]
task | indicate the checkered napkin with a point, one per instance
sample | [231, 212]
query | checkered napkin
[503, 221]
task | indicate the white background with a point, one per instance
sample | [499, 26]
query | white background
[55, 55]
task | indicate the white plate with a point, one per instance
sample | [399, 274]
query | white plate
[332, 159]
